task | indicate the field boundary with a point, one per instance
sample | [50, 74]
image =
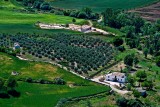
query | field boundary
[105, 68]
[63, 101]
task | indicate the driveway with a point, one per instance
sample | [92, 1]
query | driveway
[111, 84]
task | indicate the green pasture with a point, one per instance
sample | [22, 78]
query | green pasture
[14, 21]
[100, 5]
[35, 70]
[38, 95]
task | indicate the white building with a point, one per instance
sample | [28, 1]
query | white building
[16, 46]
[116, 76]
[14, 73]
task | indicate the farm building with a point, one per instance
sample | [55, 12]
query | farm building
[16, 46]
[141, 91]
[85, 28]
[14, 73]
[116, 76]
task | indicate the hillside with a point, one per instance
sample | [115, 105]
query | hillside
[40, 95]
[150, 13]
[54, 56]
[13, 16]
[100, 5]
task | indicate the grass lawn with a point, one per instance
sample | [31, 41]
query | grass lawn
[100, 5]
[38, 95]
[122, 55]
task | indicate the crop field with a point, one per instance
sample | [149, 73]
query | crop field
[81, 53]
[150, 13]
[40, 95]
[100, 5]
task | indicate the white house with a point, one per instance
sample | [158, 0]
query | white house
[16, 46]
[116, 76]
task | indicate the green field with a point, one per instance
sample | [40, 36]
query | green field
[15, 21]
[38, 95]
[23, 22]
[100, 5]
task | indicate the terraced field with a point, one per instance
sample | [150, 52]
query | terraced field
[100, 5]
[150, 13]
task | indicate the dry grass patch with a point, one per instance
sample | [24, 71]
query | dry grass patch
[5, 60]
[118, 66]
[44, 67]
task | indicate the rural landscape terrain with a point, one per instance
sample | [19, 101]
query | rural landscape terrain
[79, 53]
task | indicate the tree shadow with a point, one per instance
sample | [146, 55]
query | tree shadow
[14, 93]
[4, 96]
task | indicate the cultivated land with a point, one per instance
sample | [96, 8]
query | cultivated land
[40, 95]
[100, 5]
[16, 21]
[150, 13]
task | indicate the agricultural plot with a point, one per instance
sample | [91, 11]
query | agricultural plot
[150, 13]
[43, 95]
[80, 53]
[100, 5]
[25, 22]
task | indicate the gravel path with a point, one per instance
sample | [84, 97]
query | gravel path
[108, 83]
[111, 84]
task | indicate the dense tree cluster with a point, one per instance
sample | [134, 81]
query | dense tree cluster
[123, 102]
[7, 87]
[82, 53]
[41, 5]
[119, 19]
[140, 34]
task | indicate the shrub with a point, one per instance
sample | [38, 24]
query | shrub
[82, 15]
[59, 81]
[121, 48]
[117, 42]
[121, 101]
[128, 60]
[29, 80]
[73, 20]
[45, 6]
[158, 61]
[128, 87]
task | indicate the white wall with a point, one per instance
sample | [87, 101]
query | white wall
[110, 77]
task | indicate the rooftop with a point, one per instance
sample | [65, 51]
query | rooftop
[117, 74]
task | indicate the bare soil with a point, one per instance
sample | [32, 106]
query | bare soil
[150, 13]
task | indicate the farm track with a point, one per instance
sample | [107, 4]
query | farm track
[150, 13]
[96, 80]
